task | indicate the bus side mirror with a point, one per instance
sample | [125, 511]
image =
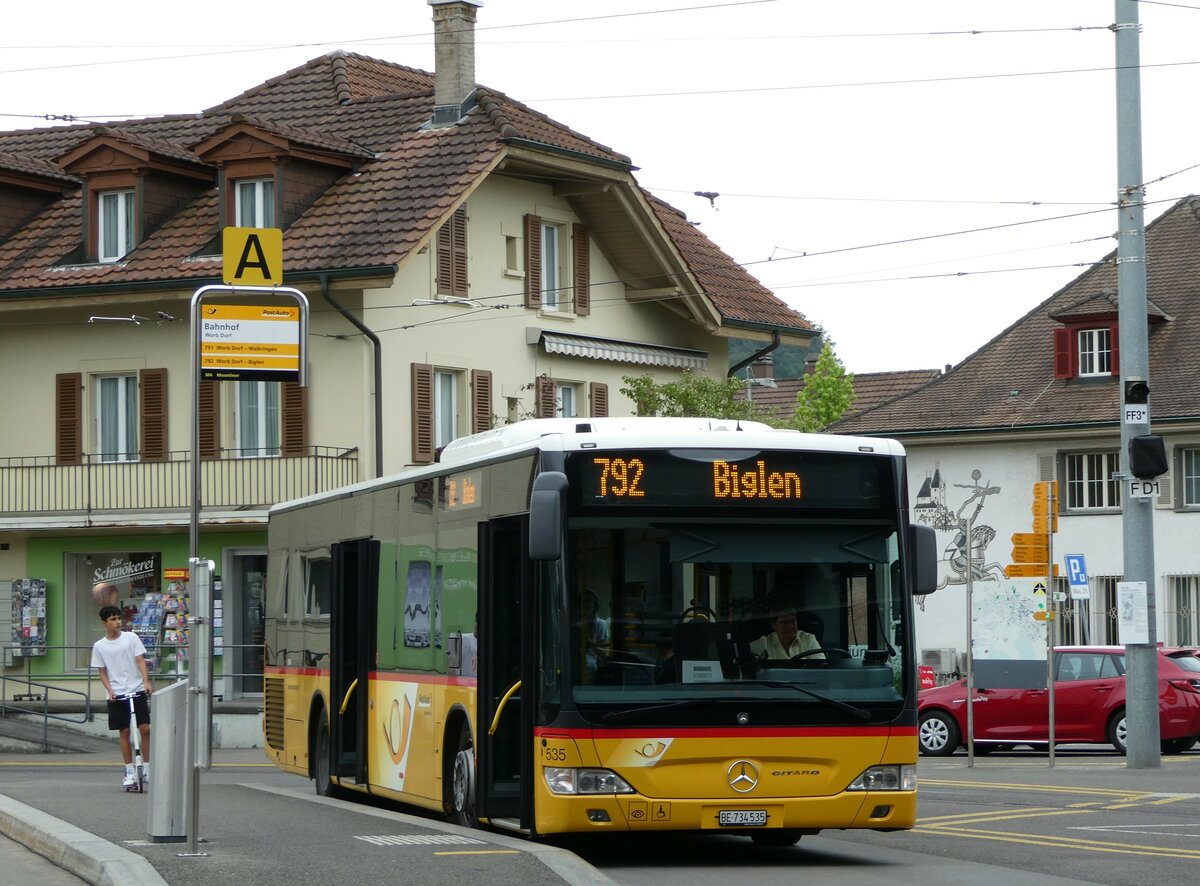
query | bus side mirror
[922, 547]
[546, 515]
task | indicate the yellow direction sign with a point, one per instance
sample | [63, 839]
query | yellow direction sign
[252, 256]
[1044, 616]
[1045, 507]
[1028, 570]
[1030, 554]
[1032, 539]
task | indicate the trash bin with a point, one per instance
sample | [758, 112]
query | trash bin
[165, 818]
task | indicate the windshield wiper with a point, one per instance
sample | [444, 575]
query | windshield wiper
[852, 710]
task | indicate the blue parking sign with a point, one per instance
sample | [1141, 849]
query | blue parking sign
[1077, 576]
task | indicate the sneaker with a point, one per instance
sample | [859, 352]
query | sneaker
[129, 781]
[146, 773]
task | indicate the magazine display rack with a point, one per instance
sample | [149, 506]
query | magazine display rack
[162, 623]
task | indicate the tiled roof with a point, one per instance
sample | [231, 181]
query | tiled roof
[736, 294]
[1009, 382]
[870, 389]
[407, 178]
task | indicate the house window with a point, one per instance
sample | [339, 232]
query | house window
[564, 401]
[1095, 352]
[116, 417]
[553, 296]
[116, 225]
[1090, 482]
[1183, 592]
[1189, 477]
[256, 203]
[258, 419]
[445, 407]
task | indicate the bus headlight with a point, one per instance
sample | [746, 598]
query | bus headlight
[585, 781]
[886, 778]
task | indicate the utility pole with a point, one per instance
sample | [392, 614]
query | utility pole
[1141, 659]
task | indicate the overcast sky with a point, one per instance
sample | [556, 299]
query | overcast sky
[978, 139]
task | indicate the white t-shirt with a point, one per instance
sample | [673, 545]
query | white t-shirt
[119, 658]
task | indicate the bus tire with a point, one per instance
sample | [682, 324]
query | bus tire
[781, 837]
[461, 790]
[322, 758]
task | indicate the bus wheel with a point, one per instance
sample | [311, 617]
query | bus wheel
[782, 837]
[322, 765]
[462, 782]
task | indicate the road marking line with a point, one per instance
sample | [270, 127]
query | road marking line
[480, 852]
[1065, 843]
[1102, 792]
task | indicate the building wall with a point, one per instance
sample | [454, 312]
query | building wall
[993, 485]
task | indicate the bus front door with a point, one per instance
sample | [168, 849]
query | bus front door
[504, 722]
[351, 652]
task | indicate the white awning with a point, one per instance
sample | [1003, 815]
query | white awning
[622, 351]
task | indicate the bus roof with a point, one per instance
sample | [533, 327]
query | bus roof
[571, 433]
[566, 434]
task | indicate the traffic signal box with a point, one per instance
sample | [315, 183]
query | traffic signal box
[1031, 550]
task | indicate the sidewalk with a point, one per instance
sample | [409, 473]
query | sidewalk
[256, 824]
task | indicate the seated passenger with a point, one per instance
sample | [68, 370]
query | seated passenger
[785, 639]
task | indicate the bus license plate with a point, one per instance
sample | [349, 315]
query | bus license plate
[742, 818]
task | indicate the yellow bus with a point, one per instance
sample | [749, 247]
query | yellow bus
[586, 625]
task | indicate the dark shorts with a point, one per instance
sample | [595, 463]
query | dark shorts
[118, 711]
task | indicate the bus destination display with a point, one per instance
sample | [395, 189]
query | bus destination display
[679, 477]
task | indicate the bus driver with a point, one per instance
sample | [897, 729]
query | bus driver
[785, 639]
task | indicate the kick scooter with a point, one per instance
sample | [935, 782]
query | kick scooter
[135, 739]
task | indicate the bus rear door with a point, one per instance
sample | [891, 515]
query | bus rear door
[351, 653]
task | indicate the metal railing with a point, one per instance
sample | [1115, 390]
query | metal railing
[37, 485]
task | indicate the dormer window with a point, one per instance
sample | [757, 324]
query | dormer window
[1095, 352]
[255, 203]
[1086, 349]
[115, 224]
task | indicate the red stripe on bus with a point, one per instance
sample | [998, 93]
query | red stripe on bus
[385, 677]
[722, 732]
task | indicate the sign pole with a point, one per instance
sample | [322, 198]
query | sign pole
[255, 342]
[1051, 614]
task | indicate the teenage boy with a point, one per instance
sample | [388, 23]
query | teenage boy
[120, 658]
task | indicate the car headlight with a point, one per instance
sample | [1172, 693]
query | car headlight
[886, 778]
[585, 781]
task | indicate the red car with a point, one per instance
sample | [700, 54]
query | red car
[1089, 705]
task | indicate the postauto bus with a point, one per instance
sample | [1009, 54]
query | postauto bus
[586, 625]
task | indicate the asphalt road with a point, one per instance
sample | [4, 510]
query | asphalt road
[1011, 818]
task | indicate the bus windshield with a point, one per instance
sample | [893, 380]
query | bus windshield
[794, 621]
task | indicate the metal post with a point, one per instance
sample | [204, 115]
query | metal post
[970, 650]
[1141, 680]
[1051, 614]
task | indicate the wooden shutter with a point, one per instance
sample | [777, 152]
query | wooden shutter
[293, 404]
[1114, 339]
[581, 269]
[1062, 353]
[598, 394]
[422, 413]
[452, 255]
[544, 397]
[210, 420]
[533, 261]
[481, 400]
[152, 420]
[68, 418]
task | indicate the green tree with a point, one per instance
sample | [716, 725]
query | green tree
[826, 395]
[693, 395]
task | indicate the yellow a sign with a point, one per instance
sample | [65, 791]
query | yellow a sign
[253, 256]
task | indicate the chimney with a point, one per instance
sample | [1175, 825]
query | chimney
[454, 59]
